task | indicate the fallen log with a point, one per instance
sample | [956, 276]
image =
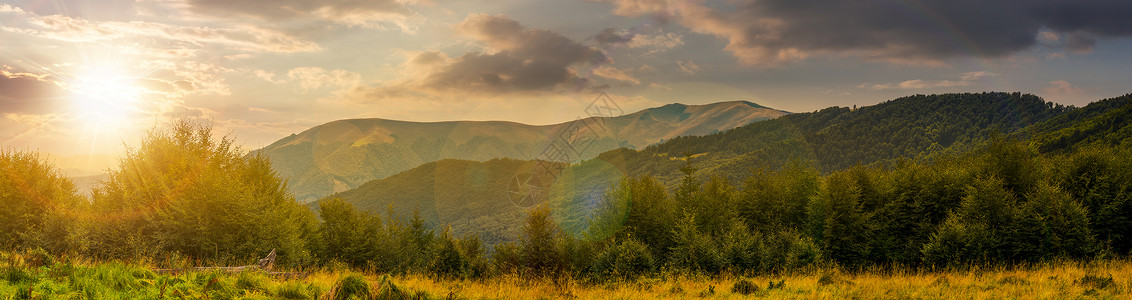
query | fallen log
[264, 265]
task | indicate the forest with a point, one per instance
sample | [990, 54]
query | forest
[1057, 190]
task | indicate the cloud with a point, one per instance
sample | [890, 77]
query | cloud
[916, 84]
[610, 36]
[367, 13]
[64, 28]
[26, 93]
[615, 74]
[313, 78]
[965, 79]
[976, 75]
[1062, 88]
[769, 32]
[688, 66]
[515, 59]
[652, 39]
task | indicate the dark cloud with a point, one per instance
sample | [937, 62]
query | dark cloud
[774, 31]
[519, 59]
[609, 36]
[24, 93]
[344, 11]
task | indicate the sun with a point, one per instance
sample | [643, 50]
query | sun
[104, 96]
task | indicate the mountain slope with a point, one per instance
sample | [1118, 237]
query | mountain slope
[1105, 122]
[832, 139]
[340, 155]
[836, 138]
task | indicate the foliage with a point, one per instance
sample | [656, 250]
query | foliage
[627, 259]
[182, 190]
[993, 201]
[539, 246]
[38, 203]
[353, 286]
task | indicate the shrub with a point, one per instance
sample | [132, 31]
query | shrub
[390, 290]
[40, 258]
[507, 258]
[628, 259]
[183, 190]
[294, 290]
[353, 285]
[745, 287]
[35, 199]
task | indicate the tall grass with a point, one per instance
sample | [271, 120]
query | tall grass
[25, 276]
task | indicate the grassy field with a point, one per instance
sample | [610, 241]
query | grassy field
[34, 276]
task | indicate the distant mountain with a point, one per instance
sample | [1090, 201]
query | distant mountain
[470, 196]
[341, 155]
[85, 184]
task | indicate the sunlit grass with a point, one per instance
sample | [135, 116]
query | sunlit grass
[35, 276]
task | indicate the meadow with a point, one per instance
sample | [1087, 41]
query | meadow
[38, 275]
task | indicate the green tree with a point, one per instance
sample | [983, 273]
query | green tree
[450, 259]
[348, 234]
[540, 253]
[837, 223]
[693, 250]
[775, 201]
[627, 259]
[638, 208]
[186, 191]
[1051, 225]
[978, 230]
[38, 203]
[1101, 179]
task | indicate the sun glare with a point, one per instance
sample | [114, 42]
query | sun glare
[104, 96]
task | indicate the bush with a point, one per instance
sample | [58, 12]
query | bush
[390, 290]
[745, 287]
[183, 190]
[507, 258]
[296, 290]
[40, 258]
[353, 285]
[628, 259]
[36, 200]
[452, 260]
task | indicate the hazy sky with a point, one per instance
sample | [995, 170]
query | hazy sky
[81, 77]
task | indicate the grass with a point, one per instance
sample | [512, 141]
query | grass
[27, 277]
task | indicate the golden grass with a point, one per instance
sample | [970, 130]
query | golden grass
[1060, 280]
[1046, 281]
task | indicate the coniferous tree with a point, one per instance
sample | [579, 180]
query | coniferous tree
[540, 253]
[837, 223]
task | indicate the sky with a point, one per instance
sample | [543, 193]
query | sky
[87, 77]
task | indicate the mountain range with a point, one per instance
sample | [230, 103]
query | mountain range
[342, 155]
[471, 196]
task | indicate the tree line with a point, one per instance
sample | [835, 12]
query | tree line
[183, 191]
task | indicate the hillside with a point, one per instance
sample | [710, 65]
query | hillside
[343, 154]
[838, 137]
[1105, 122]
[831, 139]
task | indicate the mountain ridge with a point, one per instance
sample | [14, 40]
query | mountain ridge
[830, 139]
[344, 154]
